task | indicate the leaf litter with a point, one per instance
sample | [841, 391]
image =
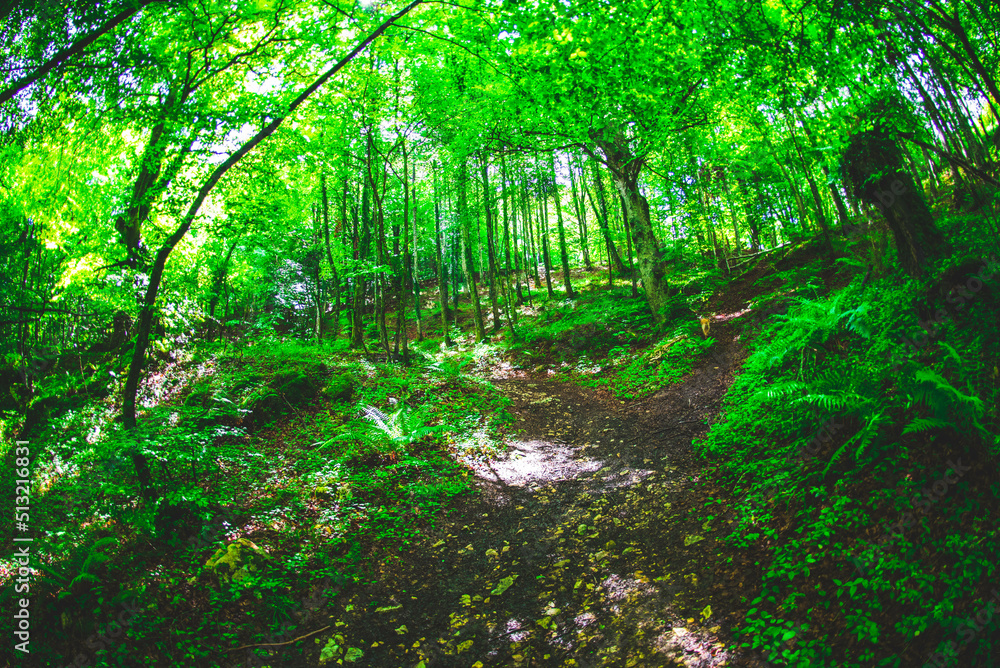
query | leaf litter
[589, 545]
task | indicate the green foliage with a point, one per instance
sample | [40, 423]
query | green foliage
[595, 321]
[80, 566]
[664, 363]
[390, 434]
[829, 384]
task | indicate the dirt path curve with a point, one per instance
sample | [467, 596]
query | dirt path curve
[590, 545]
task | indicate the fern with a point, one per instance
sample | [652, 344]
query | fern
[74, 570]
[388, 433]
[857, 321]
[847, 402]
[864, 438]
[952, 353]
[812, 321]
[947, 403]
[451, 367]
[925, 424]
[780, 390]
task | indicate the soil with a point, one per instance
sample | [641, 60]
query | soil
[597, 539]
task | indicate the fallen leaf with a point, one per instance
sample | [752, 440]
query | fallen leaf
[691, 540]
[503, 585]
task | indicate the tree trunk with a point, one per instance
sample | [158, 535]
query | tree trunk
[543, 232]
[490, 244]
[362, 244]
[874, 166]
[334, 275]
[625, 169]
[511, 242]
[838, 201]
[563, 251]
[602, 220]
[511, 312]
[415, 270]
[807, 168]
[404, 287]
[442, 283]
[580, 207]
[467, 266]
[217, 281]
[531, 248]
[381, 250]
[628, 245]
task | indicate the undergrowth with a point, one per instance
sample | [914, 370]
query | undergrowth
[327, 461]
[844, 415]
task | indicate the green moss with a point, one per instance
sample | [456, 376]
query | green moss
[339, 388]
[297, 389]
[236, 562]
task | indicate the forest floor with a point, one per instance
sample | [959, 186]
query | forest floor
[593, 542]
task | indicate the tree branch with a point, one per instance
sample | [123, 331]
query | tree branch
[156, 275]
[72, 50]
[953, 159]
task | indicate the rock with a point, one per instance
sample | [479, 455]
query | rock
[297, 389]
[264, 405]
[236, 562]
[339, 388]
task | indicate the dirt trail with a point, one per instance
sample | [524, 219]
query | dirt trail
[589, 546]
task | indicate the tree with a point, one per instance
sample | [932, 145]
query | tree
[156, 274]
[874, 167]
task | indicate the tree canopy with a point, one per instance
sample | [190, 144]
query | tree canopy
[362, 176]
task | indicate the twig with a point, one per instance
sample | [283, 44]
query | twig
[278, 644]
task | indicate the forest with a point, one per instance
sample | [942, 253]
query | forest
[483, 333]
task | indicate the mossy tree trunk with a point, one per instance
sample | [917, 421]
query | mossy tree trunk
[467, 266]
[873, 165]
[625, 169]
[563, 251]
